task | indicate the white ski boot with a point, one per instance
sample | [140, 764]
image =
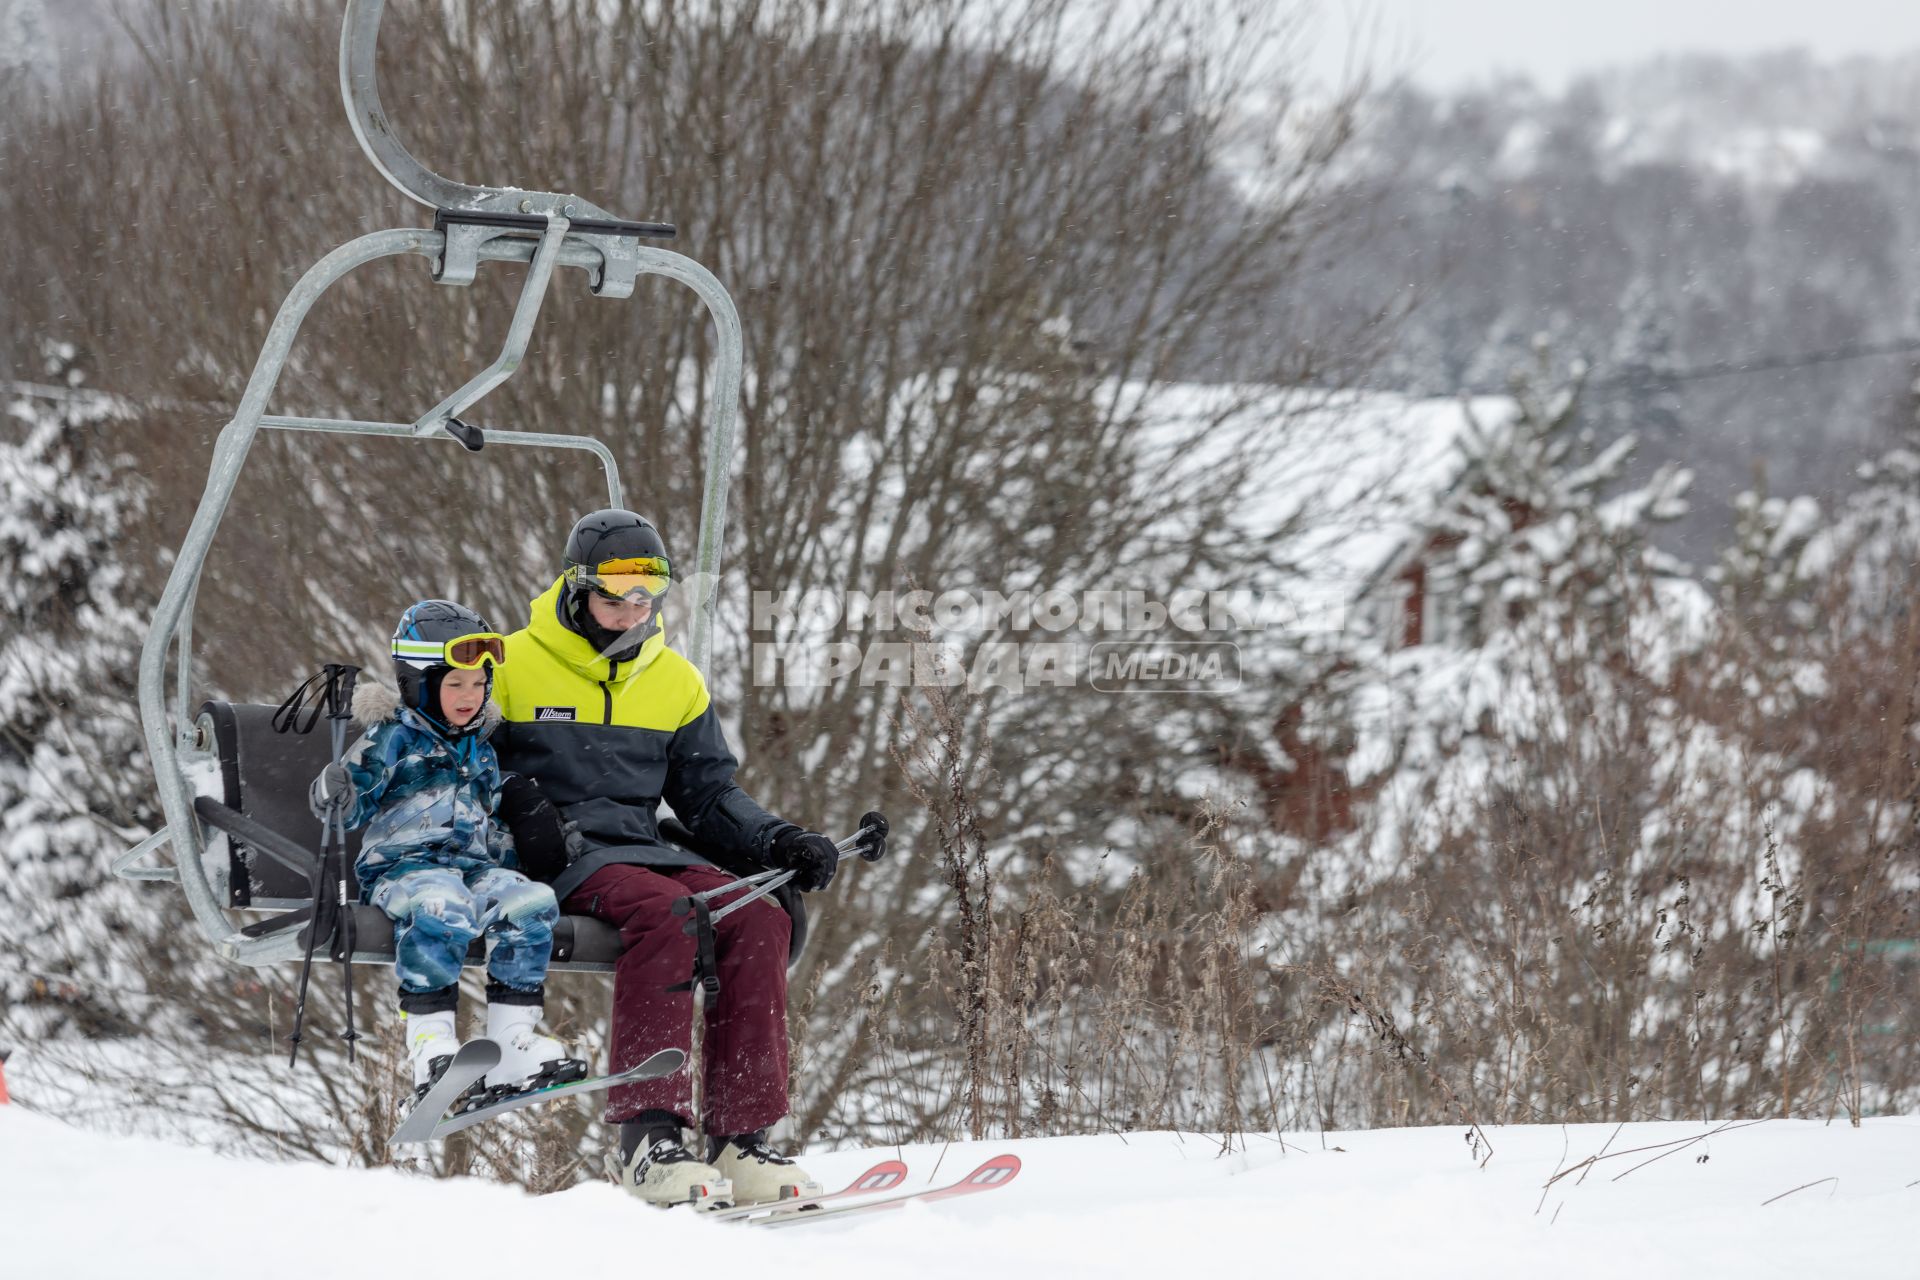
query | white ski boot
[761, 1175]
[431, 1044]
[528, 1059]
[665, 1173]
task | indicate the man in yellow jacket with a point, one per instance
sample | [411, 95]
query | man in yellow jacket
[608, 721]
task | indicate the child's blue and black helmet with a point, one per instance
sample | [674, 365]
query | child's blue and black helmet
[434, 637]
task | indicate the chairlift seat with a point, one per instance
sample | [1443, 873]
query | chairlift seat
[273, 843]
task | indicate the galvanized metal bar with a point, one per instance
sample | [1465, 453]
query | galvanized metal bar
[404, 431]
[183, 670]
[123, 865]
[229, 454]
[360, 92]
[519, 333]
[722, 421]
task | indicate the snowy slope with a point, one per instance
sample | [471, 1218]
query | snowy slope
[76, 1204]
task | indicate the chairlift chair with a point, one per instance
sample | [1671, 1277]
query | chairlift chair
[233, 790]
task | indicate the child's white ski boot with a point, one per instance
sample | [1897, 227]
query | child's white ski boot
[431, 1044]
[761, 1175]
[528, 1059]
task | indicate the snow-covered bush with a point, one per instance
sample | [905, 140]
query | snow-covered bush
[74, 788]
[1634, 853]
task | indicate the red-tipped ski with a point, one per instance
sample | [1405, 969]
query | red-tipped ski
[884, 1176]
[991, 1176]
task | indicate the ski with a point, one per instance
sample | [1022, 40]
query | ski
[663, 1063]
[884, 1176]
[991, 1176]
[472, 1061]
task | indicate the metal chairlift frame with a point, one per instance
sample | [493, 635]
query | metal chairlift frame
[543, 229]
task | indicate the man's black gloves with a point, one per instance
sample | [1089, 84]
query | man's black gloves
[873, 835]
[812, 856]
[539, 837]
[332, 792]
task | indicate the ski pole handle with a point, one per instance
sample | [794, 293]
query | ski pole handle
[870, 840]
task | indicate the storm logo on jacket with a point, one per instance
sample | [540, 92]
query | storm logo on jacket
[554, 713]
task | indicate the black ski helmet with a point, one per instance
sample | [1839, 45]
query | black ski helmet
[431, 624]
[597, 539]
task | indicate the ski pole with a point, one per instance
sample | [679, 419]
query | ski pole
[287, 719]
[778, 878]
[766, 886]
[764, 883]
[339, 711]
[707, 895]
[866, 854]
[771, 881]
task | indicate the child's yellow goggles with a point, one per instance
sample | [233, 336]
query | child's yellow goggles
[466, 652]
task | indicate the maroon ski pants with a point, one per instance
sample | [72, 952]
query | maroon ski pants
[746, 1041]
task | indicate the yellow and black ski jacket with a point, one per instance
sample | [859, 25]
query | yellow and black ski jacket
[607, 741]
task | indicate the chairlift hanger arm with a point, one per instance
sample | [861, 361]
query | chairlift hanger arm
[470, 215]
[359, 41]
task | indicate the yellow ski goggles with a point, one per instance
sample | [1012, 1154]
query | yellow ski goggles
[468, 652]
[634, 578]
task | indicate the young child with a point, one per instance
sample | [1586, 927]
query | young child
[425, 781]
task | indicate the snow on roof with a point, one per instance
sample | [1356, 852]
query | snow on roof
[1364, 476]
[1341, 484]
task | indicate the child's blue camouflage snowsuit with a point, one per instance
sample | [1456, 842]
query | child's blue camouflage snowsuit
[433, 858]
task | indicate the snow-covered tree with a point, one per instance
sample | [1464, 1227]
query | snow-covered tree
[1767, 593]
[1537, 528]
[73, 785]
[1875, 537]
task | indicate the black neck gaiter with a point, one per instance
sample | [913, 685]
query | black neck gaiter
[614, 646]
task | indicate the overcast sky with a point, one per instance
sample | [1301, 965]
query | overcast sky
[1451, 43]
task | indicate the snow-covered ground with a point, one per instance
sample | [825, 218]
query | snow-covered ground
[76, 1204]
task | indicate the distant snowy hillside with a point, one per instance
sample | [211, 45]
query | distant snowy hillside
[1666, 1201]
[1769, 120]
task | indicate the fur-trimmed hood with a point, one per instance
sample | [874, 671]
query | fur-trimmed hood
[374, 703]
